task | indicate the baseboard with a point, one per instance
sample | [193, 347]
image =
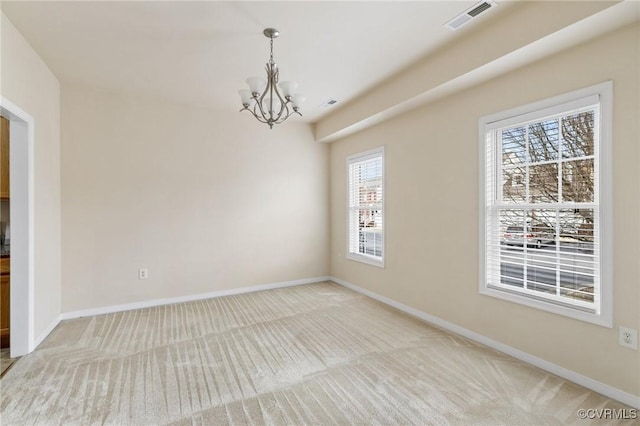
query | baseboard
[587, 382]
[188, 298]
[47, 331]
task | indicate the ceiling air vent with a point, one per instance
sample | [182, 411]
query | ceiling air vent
[469, 14]
[328, 103]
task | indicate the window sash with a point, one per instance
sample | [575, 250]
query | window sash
[524, 263]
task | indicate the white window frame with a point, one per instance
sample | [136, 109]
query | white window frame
[361, 257]
[603, 314]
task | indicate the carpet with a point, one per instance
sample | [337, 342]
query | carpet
[312, 354]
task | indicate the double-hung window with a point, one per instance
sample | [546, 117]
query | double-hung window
[546, 205]
[365, 207]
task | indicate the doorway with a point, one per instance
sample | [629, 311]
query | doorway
[21, 233]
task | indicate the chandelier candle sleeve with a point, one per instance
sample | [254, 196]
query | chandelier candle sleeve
[269, 102]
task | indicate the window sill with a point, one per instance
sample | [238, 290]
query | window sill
[547, 306]
[369, 260]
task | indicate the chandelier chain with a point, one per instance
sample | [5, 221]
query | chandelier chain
[271, 56]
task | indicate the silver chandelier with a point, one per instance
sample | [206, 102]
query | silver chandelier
[269, 102]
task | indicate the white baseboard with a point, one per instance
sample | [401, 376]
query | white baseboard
[587, 382]
[189, 298]
[47, 331]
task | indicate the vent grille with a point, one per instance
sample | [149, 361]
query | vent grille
[328, 103]
[470, 14]
[479, 9]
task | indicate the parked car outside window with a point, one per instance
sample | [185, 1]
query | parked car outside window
[538, 236]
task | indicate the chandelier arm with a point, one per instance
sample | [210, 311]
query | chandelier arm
[262, 114]
[284, 108]
[260, 98]
[294, 112]
[284, 104]
[285, 118]
[255, 114]
[253, 111]
[260, 119]
[258, 104]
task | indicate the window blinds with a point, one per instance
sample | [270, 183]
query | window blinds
[365, 205]
[542, 204]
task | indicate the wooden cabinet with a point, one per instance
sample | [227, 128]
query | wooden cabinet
[5, 294]
[5, 300]
[4, 158]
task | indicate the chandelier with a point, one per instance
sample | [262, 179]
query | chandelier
[269, 102]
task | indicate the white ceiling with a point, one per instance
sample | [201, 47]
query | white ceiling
[200, 52]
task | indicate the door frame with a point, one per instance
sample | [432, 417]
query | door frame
[22, 217]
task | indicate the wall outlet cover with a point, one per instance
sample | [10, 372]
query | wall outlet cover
[143, 274]
[628, 337]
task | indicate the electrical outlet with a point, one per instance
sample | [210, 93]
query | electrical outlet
[628, 337]
[143, 274]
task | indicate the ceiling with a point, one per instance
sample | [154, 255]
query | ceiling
[199, 53]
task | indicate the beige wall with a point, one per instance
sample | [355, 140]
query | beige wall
[205, 200]
[432, 211]
[29, 84]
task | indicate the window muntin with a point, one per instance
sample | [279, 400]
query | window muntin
[365, 205]
[542, 224]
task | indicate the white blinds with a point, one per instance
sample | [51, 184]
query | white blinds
[365, 204]
[542, 204]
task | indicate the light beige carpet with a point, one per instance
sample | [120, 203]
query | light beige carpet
[313, 354]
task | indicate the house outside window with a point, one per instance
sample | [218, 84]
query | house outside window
[545, 227]
[365, 207]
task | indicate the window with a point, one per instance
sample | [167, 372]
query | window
[546, 205]
[365, 205]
